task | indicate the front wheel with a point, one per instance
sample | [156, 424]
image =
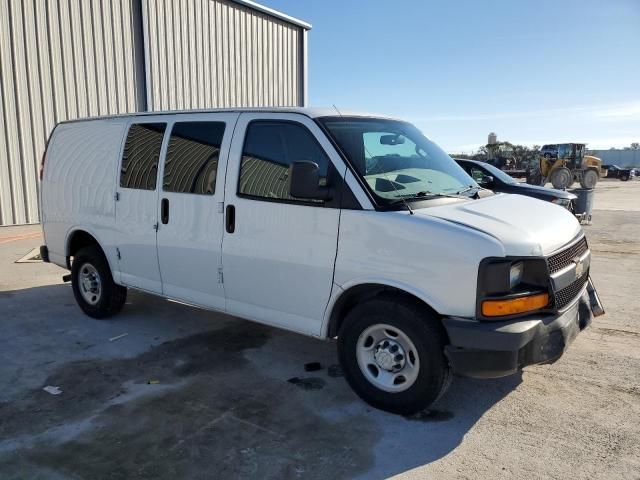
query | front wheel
[392, 353]
[93, 287]
[624, 178]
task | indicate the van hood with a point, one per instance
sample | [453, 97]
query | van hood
[525, 226]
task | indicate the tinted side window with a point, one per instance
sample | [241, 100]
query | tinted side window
[476, 174]
[466, 167]
[192, 157]
[270, 147]
[141, 153]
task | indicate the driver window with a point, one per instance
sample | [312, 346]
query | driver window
[270, 148]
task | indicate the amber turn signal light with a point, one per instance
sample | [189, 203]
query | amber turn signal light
[511, 306]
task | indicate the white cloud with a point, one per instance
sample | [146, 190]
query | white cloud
[468, 148]
[618, 111]
[600, 126]
[596, 143]
[624, 112]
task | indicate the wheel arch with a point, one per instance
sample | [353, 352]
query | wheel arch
[78, 238]
[360, 292]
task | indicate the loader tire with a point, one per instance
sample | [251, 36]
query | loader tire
[561, 178]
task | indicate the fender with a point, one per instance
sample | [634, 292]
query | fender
[109, 253]
[340, 290]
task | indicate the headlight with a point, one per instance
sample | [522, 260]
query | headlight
[515, 274]
[563, 202]
[511, 286]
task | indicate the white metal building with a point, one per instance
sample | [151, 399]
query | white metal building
[64, 59]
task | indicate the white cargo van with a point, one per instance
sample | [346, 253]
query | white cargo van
[349, 226]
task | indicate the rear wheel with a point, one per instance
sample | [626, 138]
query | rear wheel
[534, 177]
[589, 179]
[392, 353]
[93, 287]
[561, 178]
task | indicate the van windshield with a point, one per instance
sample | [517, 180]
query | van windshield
[396, 161]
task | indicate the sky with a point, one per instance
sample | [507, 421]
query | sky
[533, 71]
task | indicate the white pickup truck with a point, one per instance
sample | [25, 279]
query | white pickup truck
[355, 227]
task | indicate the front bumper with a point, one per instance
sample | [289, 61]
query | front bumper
[483, 349]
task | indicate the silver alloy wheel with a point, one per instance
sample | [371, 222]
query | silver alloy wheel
[89, 284]
[387, 358]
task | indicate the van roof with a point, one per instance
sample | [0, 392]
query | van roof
[312, 112]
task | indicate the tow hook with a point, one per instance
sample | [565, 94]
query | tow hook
[66, 278]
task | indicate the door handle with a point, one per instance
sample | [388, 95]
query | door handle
[230, 219]
[164, 211]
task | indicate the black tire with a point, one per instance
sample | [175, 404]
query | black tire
[561, 178]
[589, 179]
[624, 178]
[111, 297]
[425, 332]
[534, 178]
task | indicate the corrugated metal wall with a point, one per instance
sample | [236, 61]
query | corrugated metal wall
[59, 59]
[65, 59]
[204, 53]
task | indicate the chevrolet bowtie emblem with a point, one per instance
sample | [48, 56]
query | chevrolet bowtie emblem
[579, 267]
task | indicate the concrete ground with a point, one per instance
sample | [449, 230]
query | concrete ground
[193, 394]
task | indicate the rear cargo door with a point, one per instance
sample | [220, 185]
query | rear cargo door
[137, 205]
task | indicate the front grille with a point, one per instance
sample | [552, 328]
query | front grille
[566, 295]
[564, 258]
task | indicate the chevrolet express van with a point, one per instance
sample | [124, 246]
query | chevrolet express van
[355, 227]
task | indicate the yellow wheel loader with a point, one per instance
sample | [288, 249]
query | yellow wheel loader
[565, 163]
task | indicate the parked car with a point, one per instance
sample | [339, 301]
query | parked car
[614, 171]
[549, 151]
[488, 176]
[351, 227]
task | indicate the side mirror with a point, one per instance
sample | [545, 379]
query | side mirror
[486, 181]
[304, 177]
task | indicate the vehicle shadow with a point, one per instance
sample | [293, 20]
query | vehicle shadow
[427, 437]
[227, 398]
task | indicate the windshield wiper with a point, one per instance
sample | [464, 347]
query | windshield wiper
[469, 188]
[427, 195]
[434, 194]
